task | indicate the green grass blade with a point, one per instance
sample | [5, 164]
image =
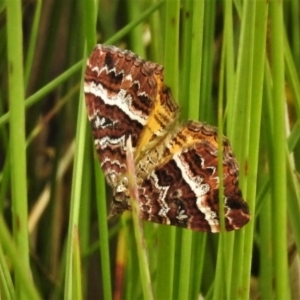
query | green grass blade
[166, 236]
[261, 13]
[238, 128]
[196, 59]
[278, 159]
[33, 40]
[75, 197]
[104, 234]
[138, 227]
[221, 286]
[17, 135]
[191, 103]
[76, 268]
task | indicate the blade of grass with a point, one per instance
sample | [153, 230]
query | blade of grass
[293, 199]
[207, 108]
[17, 136]
[278, 159]
[295, 25]
[294, 137]
[185, 61]
[261, 14]
[136, 34]
[221, 287]
[89, 11]
[239, 128]
[137, 226]
[220, 284]
[166, 234]
[4, 180]
[155, 49]
[192, 103]
[86, 209]
[76, 267]
[104, 234]
[32, 42]
[196, 59]
[230, 90]
[292, 74]
[75, 196]
[266, 265]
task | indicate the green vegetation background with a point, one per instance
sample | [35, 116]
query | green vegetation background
[233, 64]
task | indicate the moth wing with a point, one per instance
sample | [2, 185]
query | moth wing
[184, 189]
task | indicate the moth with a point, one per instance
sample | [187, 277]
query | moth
[176, 163]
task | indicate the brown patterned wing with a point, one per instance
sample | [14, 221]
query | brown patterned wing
[125, 97]
[183, 189]
[176, 165]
